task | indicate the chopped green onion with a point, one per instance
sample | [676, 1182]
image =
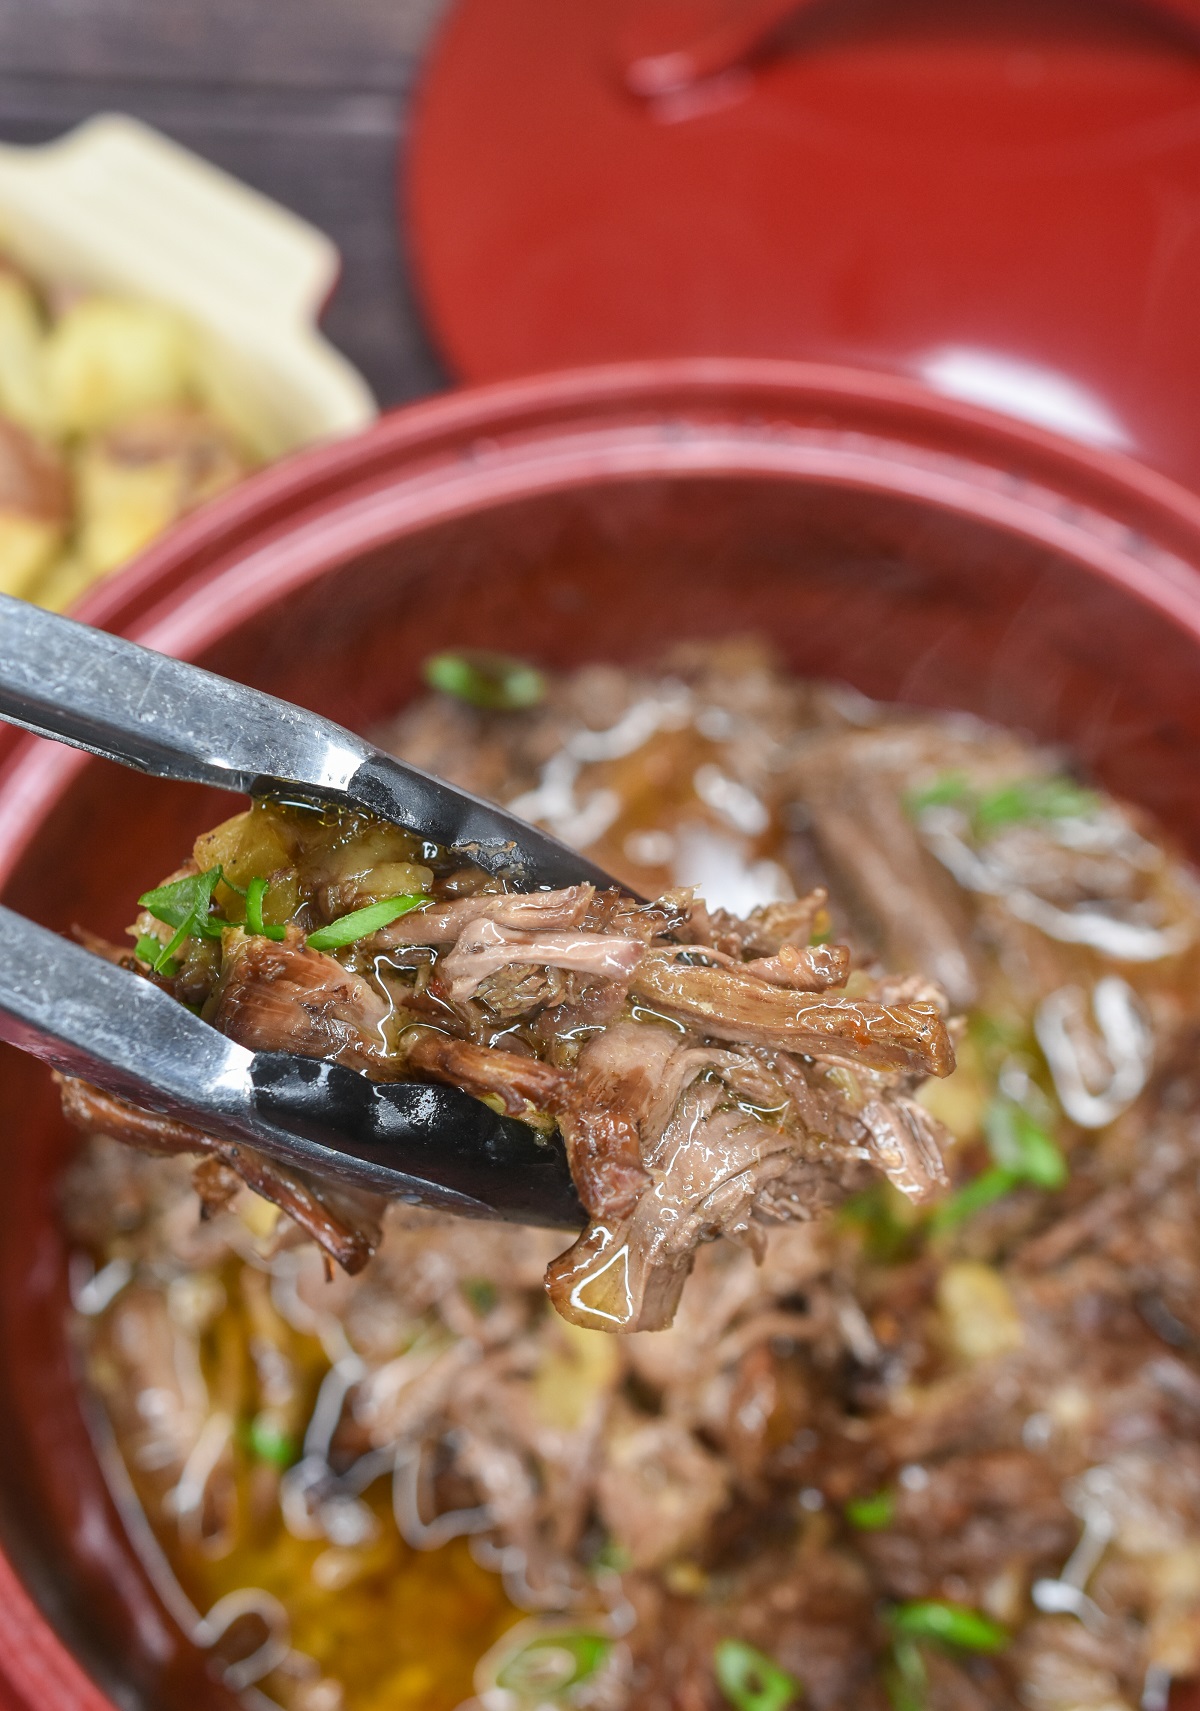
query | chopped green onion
[553, 1663]
[1024, 1153]
[256, 893]
[613, 1557]
[491, 680]
[1041, 798]
[363, 922]
[982, 1191]
[907, 1678]
[950, 788]
[269, 1442]
[1056, 798]
[949, 1624]
[1020, 1145]
[872, 1514]
[751, 1681]
[481, 1292]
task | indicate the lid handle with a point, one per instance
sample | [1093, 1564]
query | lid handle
[749, 33]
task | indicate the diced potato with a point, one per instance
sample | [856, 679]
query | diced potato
[248, 846]
[389, 879]
[137, 479]
[24, 395]
[107, 359]
[978, 1311]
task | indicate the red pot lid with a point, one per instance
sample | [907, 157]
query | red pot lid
[1001, 199]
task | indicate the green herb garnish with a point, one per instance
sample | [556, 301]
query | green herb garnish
[270, 1443]
[1055, 798]
[491, 680]
[872, 1514]
[752, 1681]
[149, 949]
[481, 1292]
[949, 1624]
[945, 792]
[553, 1663]
[1024, 1154]
[256, 895]
[884, 1219]
[612, 1557]
[363, 922]
[1042, 798]
[981, 1191]
[1018, 1143]
[184, 905]
[907, 1679]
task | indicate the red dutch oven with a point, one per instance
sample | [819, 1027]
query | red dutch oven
[921, 550]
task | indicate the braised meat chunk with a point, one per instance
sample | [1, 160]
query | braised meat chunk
[699, 1091]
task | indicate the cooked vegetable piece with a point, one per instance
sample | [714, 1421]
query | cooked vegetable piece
[1021, 1145]
[489, 680]
[1043, 797]
[23, 393]
[750, 1680]
[270, 1442]
[950, 1624]
[554, 1663]
[1054, 798]
[906, 1678]
[135, 479]
[34, 508]
[872, 1514]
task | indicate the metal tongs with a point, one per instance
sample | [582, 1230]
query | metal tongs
[431, 1146]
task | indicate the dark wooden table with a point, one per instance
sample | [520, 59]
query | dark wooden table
[305, 99]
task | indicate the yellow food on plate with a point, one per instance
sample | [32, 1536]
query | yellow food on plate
[132, 482]
[107, 359]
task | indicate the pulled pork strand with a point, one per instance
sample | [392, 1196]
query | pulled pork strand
[653, 1035]
[345, 1223]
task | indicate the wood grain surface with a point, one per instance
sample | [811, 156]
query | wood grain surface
[308, 100]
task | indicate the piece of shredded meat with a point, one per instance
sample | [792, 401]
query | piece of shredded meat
[344, 1222]
[651, 1045]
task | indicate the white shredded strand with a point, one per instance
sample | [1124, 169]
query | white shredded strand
[1128, 1042]
[248, 1601]
[406, 1507]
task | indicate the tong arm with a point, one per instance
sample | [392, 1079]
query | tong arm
[162, 716]
[431, 1146]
